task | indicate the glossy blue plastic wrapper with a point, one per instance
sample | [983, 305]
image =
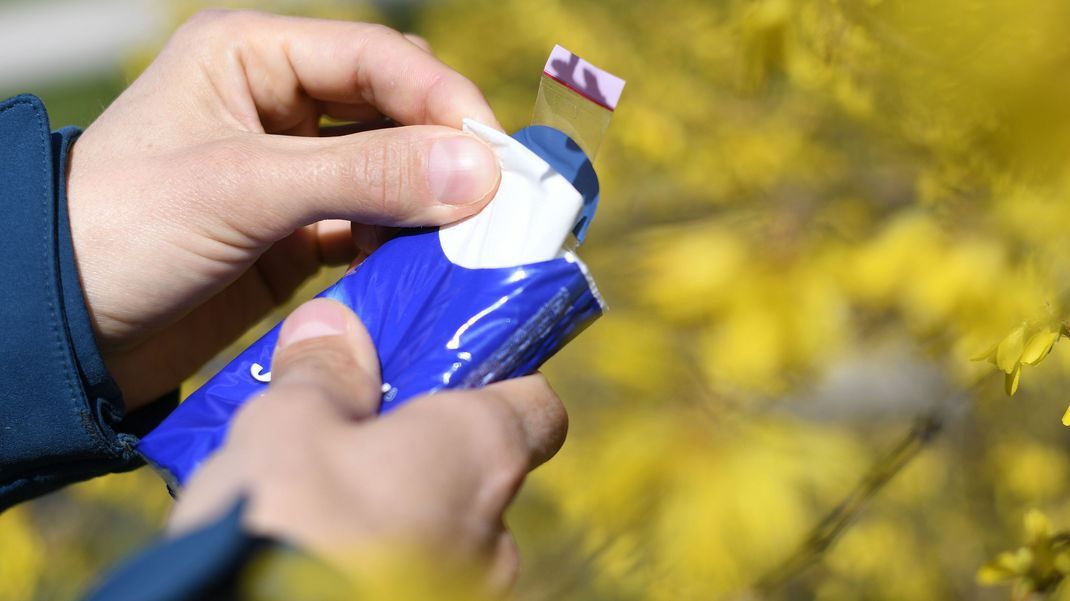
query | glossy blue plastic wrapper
[435, 324]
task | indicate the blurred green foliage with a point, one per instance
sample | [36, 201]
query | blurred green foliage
[77, 102]
[815, 214]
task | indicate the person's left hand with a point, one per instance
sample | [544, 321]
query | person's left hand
[198, 200]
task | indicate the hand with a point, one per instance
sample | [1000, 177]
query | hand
[198, 200]
[438, 472]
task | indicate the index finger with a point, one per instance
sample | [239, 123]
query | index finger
[521, 417]
[364, 63]
[539, 411]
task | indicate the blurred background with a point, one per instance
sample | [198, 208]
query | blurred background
[833, 239]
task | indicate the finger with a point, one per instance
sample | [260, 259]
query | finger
[501, 432]
[286, 265]
[344, 111]
[368, 238]
[267, 186]
[346, 129]
[539, 411]
[504, 563]
[309, 125]
[324, 352]
[354, 63]
[335, 242]
[177, 350]
[209, 502]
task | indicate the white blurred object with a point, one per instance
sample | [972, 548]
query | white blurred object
[892, 379]
[44, 42]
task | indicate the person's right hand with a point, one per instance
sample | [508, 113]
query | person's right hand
[316, 471]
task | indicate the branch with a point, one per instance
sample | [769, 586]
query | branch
[924, 430]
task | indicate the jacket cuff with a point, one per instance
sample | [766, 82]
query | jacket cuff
[61, 414]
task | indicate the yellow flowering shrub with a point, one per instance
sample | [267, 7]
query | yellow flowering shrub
[820, 221]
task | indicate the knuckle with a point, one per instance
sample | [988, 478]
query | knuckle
[537, 412]
[205, 16]
[219, 22]
[499, 436]
[538, 385]
[553, 408]
[245, 15]
[443, 85]
[545, 417]
[378, 33]
[557, 415]
[230, 17]
[441, 82]
[205, 20]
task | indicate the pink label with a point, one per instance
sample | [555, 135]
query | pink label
[593, 83]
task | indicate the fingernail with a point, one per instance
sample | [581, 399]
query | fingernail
[461, 170]
[314, 319]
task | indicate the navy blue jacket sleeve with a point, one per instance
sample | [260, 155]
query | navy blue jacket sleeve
[202, 565]
[61, 415]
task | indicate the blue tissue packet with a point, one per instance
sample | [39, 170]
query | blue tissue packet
[436, 324]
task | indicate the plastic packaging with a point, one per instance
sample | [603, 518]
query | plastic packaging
[576, 98]
[461, 306]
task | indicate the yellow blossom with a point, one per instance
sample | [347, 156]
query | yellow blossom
[1014, 351]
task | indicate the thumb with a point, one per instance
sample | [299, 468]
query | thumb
[325, 356]
[402, 176]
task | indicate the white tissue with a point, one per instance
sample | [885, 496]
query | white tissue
[528, 220]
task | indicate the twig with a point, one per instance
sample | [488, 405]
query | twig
[824, 534]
